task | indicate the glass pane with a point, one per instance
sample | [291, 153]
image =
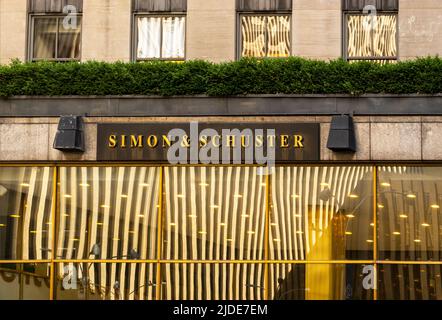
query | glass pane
[371, 36]
[253, 32]
[409, 213]
[24, 281]
[321, 282]
[214, 213]
[278, 29]
[174, 33]
[321, 213]
[45, 34]
[108, 213]
[69, 40]
[149, 38]
[212, 281]
[359, 39]
[101, 281]
[385, 36]
[410, 282]
[25, 213]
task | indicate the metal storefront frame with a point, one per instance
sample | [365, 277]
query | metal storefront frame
[160, 262]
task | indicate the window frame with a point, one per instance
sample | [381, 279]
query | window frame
[239, 44]
[31, 36]
[386, 59]
[134, 38]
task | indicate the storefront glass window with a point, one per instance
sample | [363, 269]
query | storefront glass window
[215, 213]
[26, 201]
[24, 281]
[213, 281]
[409, 214]
[321, 213]
[318, 282]
[108, 213]
[410, 282]
[106, 281]
[220, 232]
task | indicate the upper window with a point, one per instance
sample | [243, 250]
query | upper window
[265, 36]
[371, 30]
[54, 30]
[160, 37]
[55, 38]
[371, 37]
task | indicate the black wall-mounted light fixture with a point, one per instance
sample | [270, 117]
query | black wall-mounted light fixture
[342, 134]
[70, 134]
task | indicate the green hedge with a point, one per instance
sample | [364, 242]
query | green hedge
[247, 76]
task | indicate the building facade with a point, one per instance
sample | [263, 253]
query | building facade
[117, 220]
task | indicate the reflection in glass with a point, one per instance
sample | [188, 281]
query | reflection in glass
[101, 281]
[24, 281]
[25, 213]
[371, 36]
[214, 213]
[265, 36]
[212, 281]
[53, 41]
[45, 38]
[321, 213]
[409, 216]
[318, 282]
[69, 41]
[108, 213]
[410, 282]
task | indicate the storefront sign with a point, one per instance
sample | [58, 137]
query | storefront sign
[208, 142]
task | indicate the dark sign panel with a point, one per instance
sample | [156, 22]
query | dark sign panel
[154, 142]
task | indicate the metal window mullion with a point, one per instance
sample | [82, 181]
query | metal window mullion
[266, 36]
[54, 212]
[375, 235]
[159, 286]
[161, 37]
[56, 38]
[267, 238]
